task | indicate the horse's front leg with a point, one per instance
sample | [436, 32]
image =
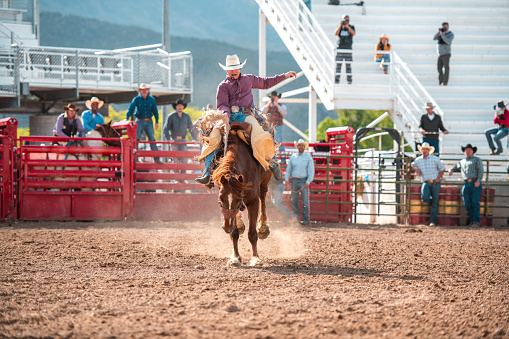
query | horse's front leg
[263, 226]
[253, 210]
[235, 259]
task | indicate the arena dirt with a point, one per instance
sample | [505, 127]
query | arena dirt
[169, 279]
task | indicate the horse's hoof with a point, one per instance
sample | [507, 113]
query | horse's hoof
[233, 262]
[255, 261]
[263, 231]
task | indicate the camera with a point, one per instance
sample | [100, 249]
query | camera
[441, 29]
[344, 22]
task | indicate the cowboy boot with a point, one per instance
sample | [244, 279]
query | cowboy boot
[276, 171]
[206, 177]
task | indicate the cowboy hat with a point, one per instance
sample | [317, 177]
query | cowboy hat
[274, 94]
[428, 105]
[426, 145]
[500, 104]
[143, 86]
[179, 102]
[232, 62]
[301, 142]
[91, 101]
[383, 36]
[71, 107]
[469, 146]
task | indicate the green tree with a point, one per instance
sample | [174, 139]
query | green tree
[357, 119]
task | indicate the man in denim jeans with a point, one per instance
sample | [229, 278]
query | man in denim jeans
[502, 119]
[301, 169]
[472, 173]
[431, 169]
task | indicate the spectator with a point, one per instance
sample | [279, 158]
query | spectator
[431, 169]
[502, 119]
[472, 173]
[68, 125]
[235, 101]
[383, 59]
[91, 118]
[444, 37]
[430, 124]
[143, 107]
[275, 113]
[301, 170]
[276, 189]
[176, 127]
[345, 33]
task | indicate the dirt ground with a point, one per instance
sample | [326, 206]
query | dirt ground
[170, 279]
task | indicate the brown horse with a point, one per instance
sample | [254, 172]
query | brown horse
[243, 184]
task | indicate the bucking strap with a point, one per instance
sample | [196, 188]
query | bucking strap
[241, 125]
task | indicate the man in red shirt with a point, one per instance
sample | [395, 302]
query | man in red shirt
[502, 119]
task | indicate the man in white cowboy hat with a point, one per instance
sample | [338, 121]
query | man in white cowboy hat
[430, 124]
[177, 124]
[472, 172]
[68, 124]
[275, 113]
[91, 117]
[301, 170]
[143, 107]
[502, 120]
[431, 169]
[235, 100]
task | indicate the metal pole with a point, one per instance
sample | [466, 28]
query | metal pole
[77, 74]
[312, 114]
[166, 47]
[262, 52]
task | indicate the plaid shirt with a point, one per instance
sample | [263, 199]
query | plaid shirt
[429, 167]
[274, 114]
[470, 168]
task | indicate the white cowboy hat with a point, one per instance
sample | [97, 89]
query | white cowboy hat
[91, 101]
[232, 62]
[301, 142]
[143, 86]
[428, 105]
[426, 145]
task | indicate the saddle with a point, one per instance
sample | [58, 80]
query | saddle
[242, 129]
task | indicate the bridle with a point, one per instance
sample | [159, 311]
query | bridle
[230, 213]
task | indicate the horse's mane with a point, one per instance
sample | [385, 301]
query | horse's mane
[227, 172]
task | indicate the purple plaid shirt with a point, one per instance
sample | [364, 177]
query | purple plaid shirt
[237, 92]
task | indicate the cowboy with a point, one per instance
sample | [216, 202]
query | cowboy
[472, 173]
[92, 118]
[177, 125]
[68, 125]
[275, 113]
[143, 107]
[431, 169]
[235, 101]
[301, 170]
[430, 124]
[502, 119]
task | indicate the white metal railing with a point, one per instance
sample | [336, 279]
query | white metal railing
[306, 41]
[409, 97]
[86, 68]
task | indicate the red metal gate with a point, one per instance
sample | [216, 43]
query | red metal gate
[8, 196]
[74, 183]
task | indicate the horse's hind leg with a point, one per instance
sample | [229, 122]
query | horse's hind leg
[235, 259]
[252, 234]
[263, 226]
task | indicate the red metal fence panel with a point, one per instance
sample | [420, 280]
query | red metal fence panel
[8, 195]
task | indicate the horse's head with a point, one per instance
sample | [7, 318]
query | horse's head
[107, 131]
[231, 200]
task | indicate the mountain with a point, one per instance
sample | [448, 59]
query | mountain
[60, 30]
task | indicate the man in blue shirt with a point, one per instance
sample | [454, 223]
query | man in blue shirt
[431, 169]
[146, 107]
[91, 118]
[301, 169]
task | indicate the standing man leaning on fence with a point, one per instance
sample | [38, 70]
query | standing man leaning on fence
[301, 170]
[430, 124]
[431, 169]
[176, 127]
[91, 118]
[472, 173]
[143, 107]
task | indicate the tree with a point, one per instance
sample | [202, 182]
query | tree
[357, 119]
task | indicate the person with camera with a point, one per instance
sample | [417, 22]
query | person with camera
[275, 113]
[502, 120]
[345, 33]
[444, 37]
